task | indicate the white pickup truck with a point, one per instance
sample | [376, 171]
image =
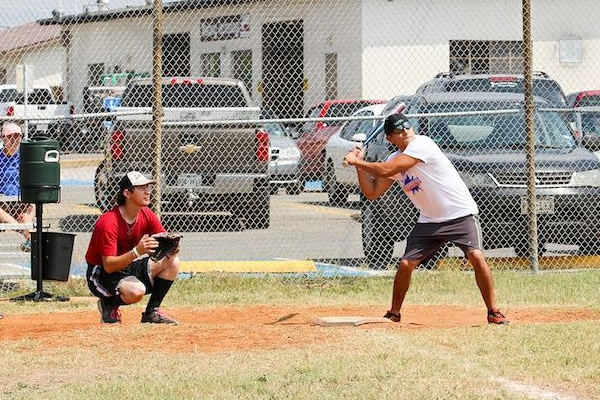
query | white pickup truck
[41, 104]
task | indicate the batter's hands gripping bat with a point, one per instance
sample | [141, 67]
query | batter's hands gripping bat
[366, 142]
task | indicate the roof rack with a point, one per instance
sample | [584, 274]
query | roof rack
[541, 74]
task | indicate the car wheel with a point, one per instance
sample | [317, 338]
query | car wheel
[101, 188]
[378, 243]
[338, 194]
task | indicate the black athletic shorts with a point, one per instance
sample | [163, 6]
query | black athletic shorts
[103, 284]
[427, 238]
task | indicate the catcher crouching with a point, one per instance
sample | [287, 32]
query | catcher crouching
[130, 254]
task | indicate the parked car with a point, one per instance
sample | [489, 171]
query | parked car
[41, 103]
[314, 135]
[587, 98]
[338, 181]
[206, 168]
[488, 150]
[284, 164]
[88, 133]
[543, 85]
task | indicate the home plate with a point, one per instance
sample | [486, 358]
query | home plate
[349, 320]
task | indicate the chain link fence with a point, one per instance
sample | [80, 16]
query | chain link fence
[244, 110]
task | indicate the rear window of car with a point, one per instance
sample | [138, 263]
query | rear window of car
[8, 95]
[545, 88]
[186, 96]
[589, 101]
[344, 110]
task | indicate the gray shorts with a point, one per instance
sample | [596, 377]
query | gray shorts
[427, 238]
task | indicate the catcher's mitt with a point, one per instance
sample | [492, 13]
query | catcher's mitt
[167, 243]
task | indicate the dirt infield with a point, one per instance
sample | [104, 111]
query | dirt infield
[226, 329]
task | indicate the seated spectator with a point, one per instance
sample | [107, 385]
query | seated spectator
[13, 212]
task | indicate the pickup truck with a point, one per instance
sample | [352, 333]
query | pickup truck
[41, 103]
[206, 168]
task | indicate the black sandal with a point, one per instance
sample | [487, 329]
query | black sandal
[392, 317]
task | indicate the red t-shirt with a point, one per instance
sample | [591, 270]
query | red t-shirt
[112, 237]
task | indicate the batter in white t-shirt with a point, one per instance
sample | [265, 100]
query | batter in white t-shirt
[434, 185]
[448, 211]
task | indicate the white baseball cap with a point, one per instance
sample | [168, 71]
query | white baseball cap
[134, 178]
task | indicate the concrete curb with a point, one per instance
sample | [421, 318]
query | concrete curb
[81, 160]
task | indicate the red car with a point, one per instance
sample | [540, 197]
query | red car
[315, 134]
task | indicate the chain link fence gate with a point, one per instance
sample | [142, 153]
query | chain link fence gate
[262, 99]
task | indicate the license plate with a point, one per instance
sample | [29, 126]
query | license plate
[189, 180]
[543, 205]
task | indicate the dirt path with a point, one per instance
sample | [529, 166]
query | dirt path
[225, 329]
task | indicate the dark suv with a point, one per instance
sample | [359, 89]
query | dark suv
[488, 150]
[543, 85]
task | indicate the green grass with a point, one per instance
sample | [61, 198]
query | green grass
[459, 363]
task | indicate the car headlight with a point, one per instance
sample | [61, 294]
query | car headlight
[289, 153]
[477, 179]
[589, 178]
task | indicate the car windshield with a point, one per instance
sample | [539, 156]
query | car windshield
[275, 129]
[544, 88]
[591, 124]
[186, 96]
[493, 131]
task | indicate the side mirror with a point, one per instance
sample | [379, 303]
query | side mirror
[592, 143]
[575, 131]
[292, 132]
[359, 137]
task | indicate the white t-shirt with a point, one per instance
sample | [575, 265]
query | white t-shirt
[434, 185]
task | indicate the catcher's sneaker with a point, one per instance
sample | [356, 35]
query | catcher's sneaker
[157, 316]
[393, 317]
[108, 313]
[494, 316]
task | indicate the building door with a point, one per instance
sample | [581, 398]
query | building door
[283, 68]
[176, 54]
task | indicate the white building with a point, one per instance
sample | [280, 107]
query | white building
[295, 53]
[38, 47]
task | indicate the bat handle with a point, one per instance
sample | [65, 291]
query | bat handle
[345, 163]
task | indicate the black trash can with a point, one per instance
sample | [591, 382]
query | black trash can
[57, 250]
[39, 170]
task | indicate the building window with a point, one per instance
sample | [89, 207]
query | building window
[486, 56]
[95, 72]
[211, 64]
[242, 67]
[331, 76]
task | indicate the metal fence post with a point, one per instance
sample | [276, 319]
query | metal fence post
[157, 111]
[530, 135]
